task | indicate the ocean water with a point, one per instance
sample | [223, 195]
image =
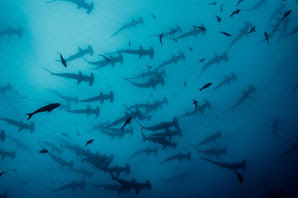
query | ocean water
[237, 97]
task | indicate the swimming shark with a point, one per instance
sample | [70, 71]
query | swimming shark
[210, 138]
[216, 60]
[79, 77]
[80, 4]
[194, 32]
[243, 32]
[79, 151]
[2, 135]
[116, 132]
[4, 89]
[145, 151]
[150, 83]
[60, 161]
[81, 53]
[69, 99]
[82, 172]
[212, 151]
[128, 185]
[101, 97]
[140, 52]
[112, 60]
[226, 81]
[173, 60]
[120, 169]
[165, 125]
[112, 187]
[133, 23]
[88, 111]
[180, 157]
[200, 109]
[234, 166]
[19, 124]
[162, 140]
[73, 186]
[4, 154]
[148, 107]
[149, 73]
[293, 32]
[257, 5]
[100, 162]
[167, 133]
[245, 95]
[12, 31]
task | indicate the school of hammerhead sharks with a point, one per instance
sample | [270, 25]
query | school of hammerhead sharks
[159, 136]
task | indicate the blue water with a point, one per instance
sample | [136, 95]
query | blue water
[247, 133]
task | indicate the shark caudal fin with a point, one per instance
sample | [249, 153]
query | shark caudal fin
[111, 97]
[29, 115]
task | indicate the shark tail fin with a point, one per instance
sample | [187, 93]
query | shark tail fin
[29, 115]
[91, 80]
[111, 97]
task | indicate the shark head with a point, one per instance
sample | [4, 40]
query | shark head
[2, 135]
[151, 52]
[225, 56]
[148, 184]
[251, 89]
[91, 79]
[233, 76]
[178, 29]
[120, 57]
[97, 111]
[111, 96]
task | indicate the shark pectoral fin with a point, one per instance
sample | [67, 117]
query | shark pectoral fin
[79, 81]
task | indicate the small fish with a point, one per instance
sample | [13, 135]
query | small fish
[240, 177]
[202, 60]
[266, 37]
[2, 173]
[214, 3]
[63, 61]
[286, 14]
[89, 142]
[149, 66]
[195, 102]
[43, 151]
[218, 19]
[65, 134]
[153, 16]
[106, 58]
[190, 48]
[126, 123]
[239, 2]
[225, 33]
[184, 84]
[160, 38]
[235, 12]
[205, 86]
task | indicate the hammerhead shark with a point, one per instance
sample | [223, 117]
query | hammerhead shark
[101, 97]
[257, 5]
[116, 132]
[112, 60]
[80, 4]
[61, 161]
[112, 187]
[217, 59]
[6, 88]
[145, 151]
[194, 32]
[293, 32]
[21, 125]
[212, 151]
[88, 111]
[79, 77]
[131, 24]
[11, 31]
[162, 125]
[167, 134]
[150, 83]
[245, 95]
[210, 138]
[148, 107]
[128, 185]
[73, 186]
[17, 142]
[234, 166]
[118, 169]
[69, 99]
[180, 157]
[82, 172]
[140, 52]
[4, 154]
[80, 54]
[173, 60]
[162, 140]
[200, 109]
[227, 80]
[243, 32]
[149, 74]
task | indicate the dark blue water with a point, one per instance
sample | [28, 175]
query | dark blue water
[253, 112]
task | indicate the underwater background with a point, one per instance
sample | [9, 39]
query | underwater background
[217, 81]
